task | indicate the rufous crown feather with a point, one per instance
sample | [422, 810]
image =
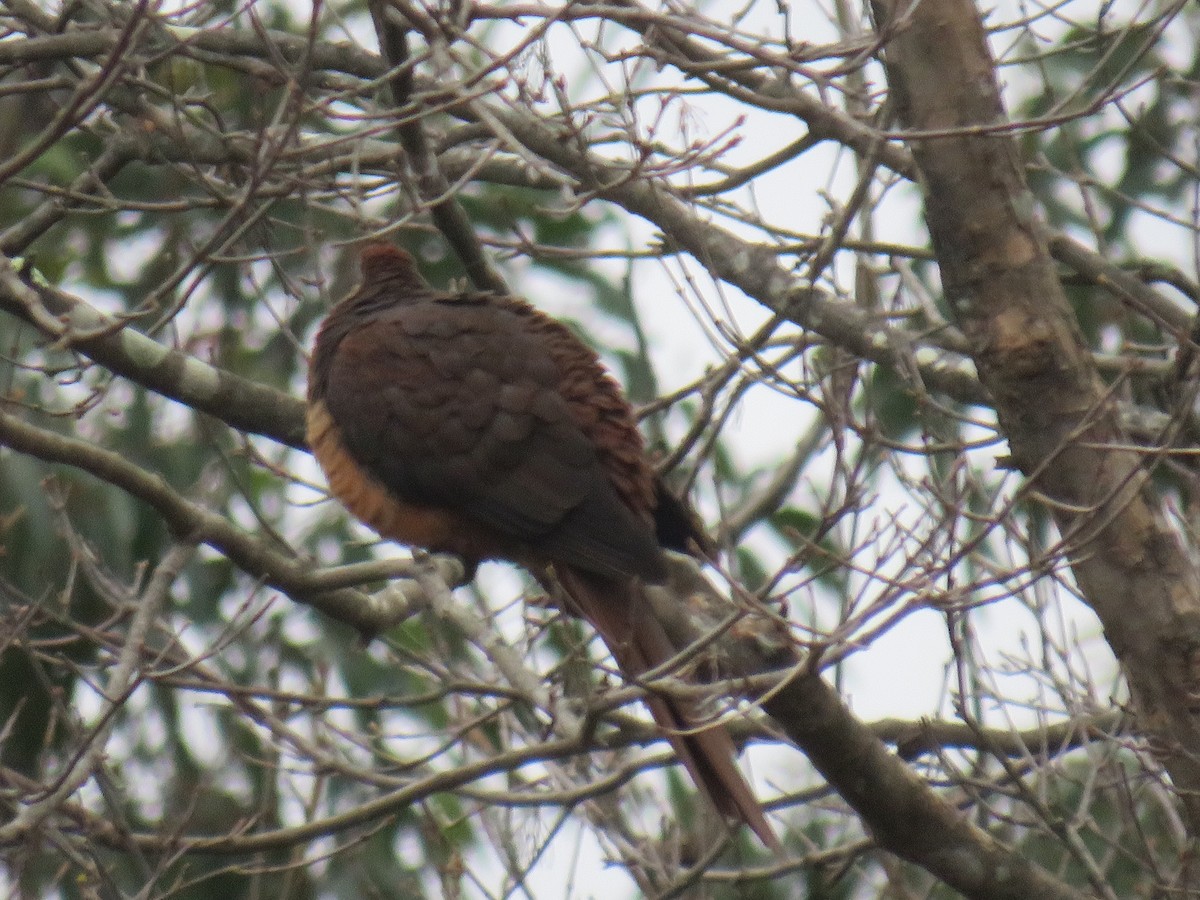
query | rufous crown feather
[380, 261]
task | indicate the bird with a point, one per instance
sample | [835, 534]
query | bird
[472, 423]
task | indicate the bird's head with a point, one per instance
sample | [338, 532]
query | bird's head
[381, 262]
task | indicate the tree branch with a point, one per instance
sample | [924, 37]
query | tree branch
[901, 811]
[370, 614]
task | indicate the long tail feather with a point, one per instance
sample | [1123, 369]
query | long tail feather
[639, 643]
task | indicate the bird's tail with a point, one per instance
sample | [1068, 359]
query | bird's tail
[639, 643]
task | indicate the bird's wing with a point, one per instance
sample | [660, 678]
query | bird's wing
[457, 405]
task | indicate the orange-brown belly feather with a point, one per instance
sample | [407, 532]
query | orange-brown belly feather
[371, 502]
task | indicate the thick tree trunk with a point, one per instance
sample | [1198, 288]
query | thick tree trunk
[1131, 565]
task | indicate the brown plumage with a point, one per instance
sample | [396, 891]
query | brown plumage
[473, 424]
